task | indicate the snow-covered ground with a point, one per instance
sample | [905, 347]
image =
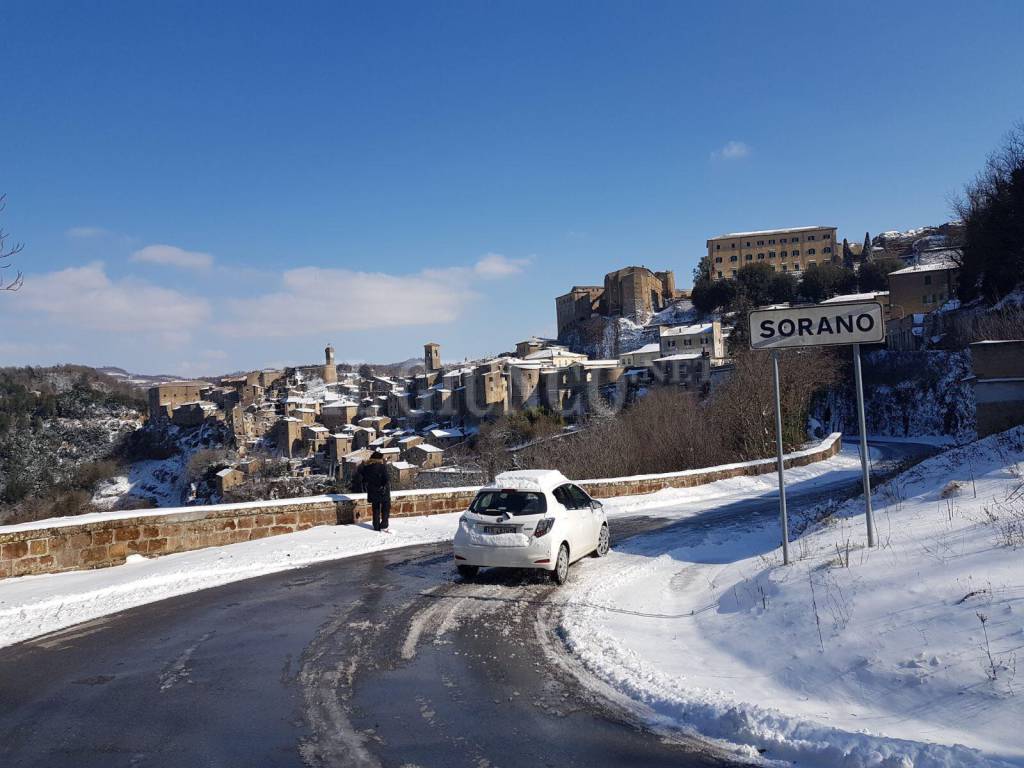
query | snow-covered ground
[848, 657]
[35, 605]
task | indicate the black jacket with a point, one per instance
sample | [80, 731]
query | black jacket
[373, 480]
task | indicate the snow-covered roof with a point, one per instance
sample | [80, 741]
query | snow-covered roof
[428, 448]
[683, 356]
[403, 465]
[530, 480]
[933, 267]
[598, 363]
[685, 330]
[389, 451]
[316, 428]
[646, 349]
[770, 232]
[545, 354]
[856, 297]
[226, 471]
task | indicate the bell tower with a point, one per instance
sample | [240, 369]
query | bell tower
[432, 357]
[330, 368]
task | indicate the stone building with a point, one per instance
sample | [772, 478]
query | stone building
[425, 456]
[784, 250]
[164, 398]
[633, 292]
[636, 292]
[922, 288]
[692, 338]
[689, 370]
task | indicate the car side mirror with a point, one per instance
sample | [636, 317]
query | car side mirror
[595, 504]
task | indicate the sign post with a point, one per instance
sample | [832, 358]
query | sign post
[819, 325]
[865, 464]
[783, 518]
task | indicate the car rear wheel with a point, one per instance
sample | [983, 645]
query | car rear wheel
[603, 542]
[561, 572]
[468, 571]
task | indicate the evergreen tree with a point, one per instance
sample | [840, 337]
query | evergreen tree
[865, 254]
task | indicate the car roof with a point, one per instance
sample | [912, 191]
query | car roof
[530, 480]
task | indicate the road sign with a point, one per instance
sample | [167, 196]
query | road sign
[817, 325]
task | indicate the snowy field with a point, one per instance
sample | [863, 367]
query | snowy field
[848, 657]
[34, 605]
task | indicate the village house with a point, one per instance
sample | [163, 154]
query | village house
[702, 337]
[998, 385]
[643, 357]
[425, 456]
[689, 370]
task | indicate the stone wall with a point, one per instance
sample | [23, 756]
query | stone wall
[105, 539]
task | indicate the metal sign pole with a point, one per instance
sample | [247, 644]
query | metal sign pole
[865, 462]
[778, 443]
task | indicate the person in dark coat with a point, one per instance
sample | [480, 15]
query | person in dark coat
[372, 478]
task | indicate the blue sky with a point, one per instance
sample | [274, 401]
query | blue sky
[206, 187]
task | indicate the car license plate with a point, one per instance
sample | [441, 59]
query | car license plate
[499, 529]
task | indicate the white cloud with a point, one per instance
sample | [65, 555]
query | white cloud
[173, 256]
[493, 265]
[733, 150]
[86, 298]
[317, 300]
[86, 233]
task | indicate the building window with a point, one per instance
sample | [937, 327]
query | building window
[760, 257]
[734, 257]
[750, 257]
[827, 236]
[718, 259]
[924, 299]
[796, 267]
[784, 268]
[782, 239]
[827, 249]
[734, 273]
[810, 264]
[733, 245]
[748, 243]
[718, 247]
[794, 253]
[927, 279]
[771, 242]
[794, 239]
[719, 275]
[771, 254]
[810, 237]
[810, 251]
[760, 242]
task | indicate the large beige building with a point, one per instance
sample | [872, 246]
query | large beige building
[784, 250]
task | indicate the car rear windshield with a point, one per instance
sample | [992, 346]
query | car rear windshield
[508, 503]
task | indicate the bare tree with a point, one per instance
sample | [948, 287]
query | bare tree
[5, 254]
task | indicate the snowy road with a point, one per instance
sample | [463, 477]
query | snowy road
[381, 659]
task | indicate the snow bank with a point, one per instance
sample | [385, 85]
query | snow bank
[904, 655]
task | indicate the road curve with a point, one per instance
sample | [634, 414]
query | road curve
[385, 659]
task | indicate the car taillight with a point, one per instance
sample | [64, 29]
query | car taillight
[543, 526]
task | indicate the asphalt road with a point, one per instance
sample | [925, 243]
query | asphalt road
[385, 659]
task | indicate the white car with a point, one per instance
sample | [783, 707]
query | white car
[530, 519]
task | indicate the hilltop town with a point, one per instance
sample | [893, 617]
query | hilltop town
[317, 423]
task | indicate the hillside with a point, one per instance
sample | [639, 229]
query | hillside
[59, 431]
